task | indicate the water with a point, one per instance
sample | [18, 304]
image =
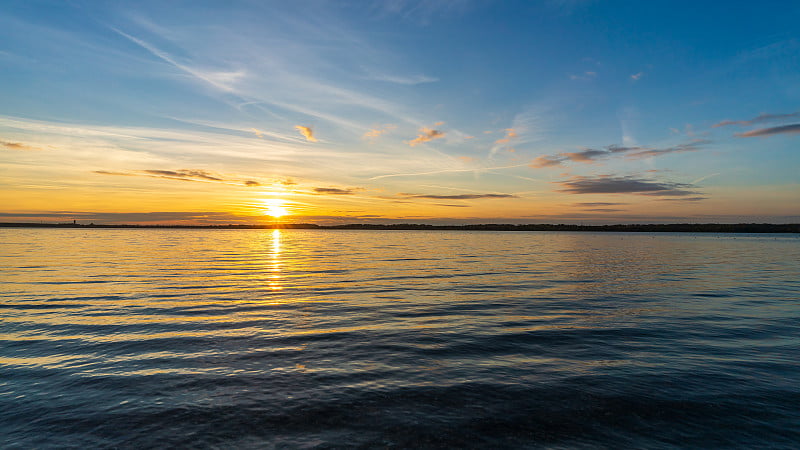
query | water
[320, 339]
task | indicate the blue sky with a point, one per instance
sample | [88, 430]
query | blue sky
[424, 111]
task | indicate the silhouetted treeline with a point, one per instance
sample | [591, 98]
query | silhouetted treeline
[668, 228]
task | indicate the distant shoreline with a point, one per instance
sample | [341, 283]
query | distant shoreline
[666, 228]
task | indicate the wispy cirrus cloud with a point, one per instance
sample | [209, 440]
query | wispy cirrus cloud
[410, 80]
[590, 155]
[377, 132]
[783, 129]
[610, 184]
[420, 11]
[758, 119]
[222, 80]
[427, 134]
[182, 175]
[588, 75]
[597, 204]
[307, 132]
[457, 196]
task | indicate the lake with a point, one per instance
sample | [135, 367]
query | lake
[447, 339]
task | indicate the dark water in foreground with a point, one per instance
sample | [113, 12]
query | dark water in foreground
[211, 338]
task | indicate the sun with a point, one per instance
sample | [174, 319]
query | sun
[275, 208]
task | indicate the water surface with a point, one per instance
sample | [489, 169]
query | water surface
[309, 338]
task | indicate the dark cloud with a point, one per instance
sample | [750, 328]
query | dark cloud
[690, 147]
[589, 155]
[760, 119]
[458, 196]
[546, 161]
[594, 204]
[453, 206]
[685, 199]
[16, 146]
[108, 172]
[184, 174]
[607, 184]
[783, 129]
[426, 134]
[333, 191]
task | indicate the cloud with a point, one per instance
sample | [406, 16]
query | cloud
[693, 146]
[637, 76]
[684, 199]
[109, 172]
[596, 204]
[333, 191]
[422, 11]
[376, 132]
[589, 155]
[307, 132]
[181, 175]
[783, 129]
[510, 134]
[427, 134]
[584, 76]
[222, 80]
[458, 196]
[466, 159]
[258, 132]
[545, 161]
[405, 80]
[608, 184]
[759, 119]
[185, 174]
[16, 146]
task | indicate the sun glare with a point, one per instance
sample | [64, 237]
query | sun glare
[275, 208]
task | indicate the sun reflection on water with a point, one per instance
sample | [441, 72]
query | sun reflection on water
[274, 278]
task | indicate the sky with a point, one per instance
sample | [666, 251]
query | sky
[399, 111]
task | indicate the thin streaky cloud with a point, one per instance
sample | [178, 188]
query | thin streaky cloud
[758, 119]
[333, 191]
[219, 80]
[403, 80]
[590, 155]
[182, 175]
[457, 196]
[683, 199]
[784, 129]
[597, 204]
[434, 172]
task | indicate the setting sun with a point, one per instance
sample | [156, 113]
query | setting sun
[276, 208]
